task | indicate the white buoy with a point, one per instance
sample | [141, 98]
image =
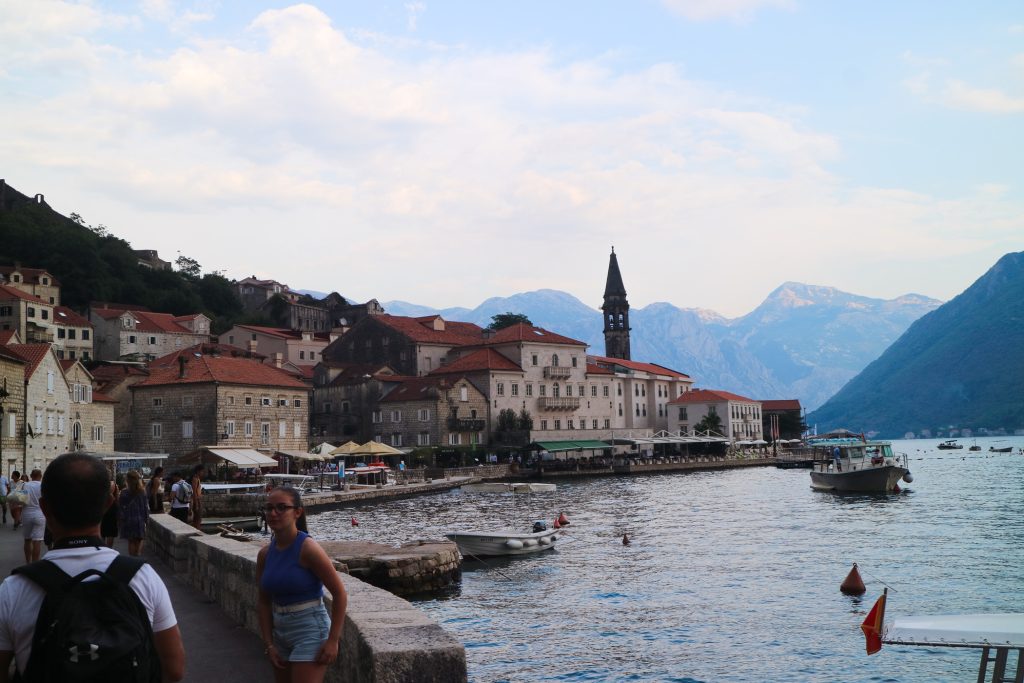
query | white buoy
[908, 477]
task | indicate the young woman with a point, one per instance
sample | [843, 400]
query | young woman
[16, 505]
[196, 504]
[133, 513]
[292, 571]
[155, 491]
[108, 525]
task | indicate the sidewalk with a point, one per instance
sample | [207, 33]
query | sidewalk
[216, 649]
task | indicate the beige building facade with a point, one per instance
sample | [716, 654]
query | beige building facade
[740, 417]
[47, 405]
[90, 413]
[12, 411]
[143, 335]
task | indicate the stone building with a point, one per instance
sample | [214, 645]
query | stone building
[35, 281]
[277, 343]
[114, 380]
[345, 396]
[283, 306]
[787, 415]
[740, 416]
[90, 413]
[27, 314]
[123, 334]
[47, 405]
[73, 335]
[641, 393]
[12, 411]
[219, 401]
[446, 410]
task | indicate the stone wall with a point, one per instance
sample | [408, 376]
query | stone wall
[384, 640]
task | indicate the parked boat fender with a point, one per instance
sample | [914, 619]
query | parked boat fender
[556, 524]
[529, 543]
[853, 584]
[514, 544]
[908, 477]
[545, 541]
[354, 522]
[562, 519]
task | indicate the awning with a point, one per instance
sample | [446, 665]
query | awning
[302, 455]
[557, 446]
[114, 456]
[242, 457]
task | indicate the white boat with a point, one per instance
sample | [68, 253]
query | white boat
[994, 634]
[501, 542]
[858, 465]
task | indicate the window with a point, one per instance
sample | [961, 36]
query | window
[297, 403]
[152, 341]
[619, 386]
[60, 333]
[554, 360]
[529, 390]
[60, 424]
[569, 424]
[396, 415]
[637, 410]
[543, 424]
[396, 439]
[424, 415]
[186, 429]
[568, 389]
[558, 424]
[76, 393]
[534, 358]
[593, 390]
[248, 429]
[264, 433]
[555, 390]
[682, 413]
[156, 430]
[573, 364]
[265, 401]
[463, 393]
[85, 335]
[327, 406]
[593, 424]
[282, 429]
[515, 389]
[543, 390]
[378, 416]
[423, 439]
[604, 391]
[581, 388]
[282, 402]
[39, 421]
[45, 314]
[187, 401]
[30, 312]
[620, 410]
[97, 433]
[607, 423]
[131, 338]
[454, 439]
[302, 355]
[501, 388]
[157, 402]
[229, 427]
[297, 430]
[88, 393]
[248, 400]
[231, 400]
[636, 390]
[49, 382]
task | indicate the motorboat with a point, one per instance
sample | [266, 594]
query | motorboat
[975, 446]
[994, 634]
[502, 542]
[858, 465]
[1004, 449]
[950, 445]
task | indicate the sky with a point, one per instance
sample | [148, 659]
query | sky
[442, 153]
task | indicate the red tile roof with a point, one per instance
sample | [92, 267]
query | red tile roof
[6, 336]
[356, 373]
[594, 369]
[223, 370]
[528, 333]
[35, 273]
[710, 396]
[280, 332]
[652, 368]
[32, 354]
[100, 397]
[7, 293]
[420, 330]
[147, 321]
[205, 349]
[62, 315]
[782, 404]
[484, 359]
[10, 355]
[416, 389]
[66, 363]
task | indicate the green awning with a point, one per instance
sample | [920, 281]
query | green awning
[554, 446]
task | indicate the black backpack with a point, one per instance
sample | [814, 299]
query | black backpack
[95, 630]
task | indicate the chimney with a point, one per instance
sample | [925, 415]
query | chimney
[181, 366]
[278, 360]
[252, 345]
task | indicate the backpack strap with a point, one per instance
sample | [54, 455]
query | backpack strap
[46, 574]
[124, 568]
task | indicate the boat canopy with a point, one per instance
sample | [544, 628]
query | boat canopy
[241, 457]
[961, 630]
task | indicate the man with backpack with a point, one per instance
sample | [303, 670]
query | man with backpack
[181, 497]
[85, 613]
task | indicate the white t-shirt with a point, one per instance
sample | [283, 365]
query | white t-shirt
[21, 598]
[34, 489]
[178, 486]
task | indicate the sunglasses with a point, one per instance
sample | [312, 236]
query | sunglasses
[279, 508]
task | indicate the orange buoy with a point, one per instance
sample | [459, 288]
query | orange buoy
[556, 524]
[625, 539]
[562, 519]
[853, 584]
[354, 522]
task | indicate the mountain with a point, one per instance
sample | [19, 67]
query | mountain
[961, 365]
[802, 341]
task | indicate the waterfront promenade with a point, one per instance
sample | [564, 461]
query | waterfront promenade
[216, 648]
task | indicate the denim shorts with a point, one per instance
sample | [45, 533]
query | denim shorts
[298, 636]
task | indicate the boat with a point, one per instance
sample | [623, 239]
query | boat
[1004, 449]
[994, 634]
[858, 465]
[504, 542]
[975, 446]
[950, 445]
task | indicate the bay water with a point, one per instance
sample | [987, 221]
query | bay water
[729, 576]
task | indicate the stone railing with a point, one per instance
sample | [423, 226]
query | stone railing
[385, 639]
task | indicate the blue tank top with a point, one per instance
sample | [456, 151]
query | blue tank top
[285, 580]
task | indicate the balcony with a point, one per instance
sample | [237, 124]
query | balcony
[465, 425]
[557, 372]
[558, 403]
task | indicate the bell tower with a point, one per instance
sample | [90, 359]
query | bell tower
[616, 313]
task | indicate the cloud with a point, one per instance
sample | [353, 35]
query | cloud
[960, 95]
[414, 9]
[736, 10]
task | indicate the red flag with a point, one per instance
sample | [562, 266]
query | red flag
[872, 626]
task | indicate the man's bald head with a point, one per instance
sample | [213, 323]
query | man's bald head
[76, 488]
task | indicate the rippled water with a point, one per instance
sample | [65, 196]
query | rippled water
[730, 576]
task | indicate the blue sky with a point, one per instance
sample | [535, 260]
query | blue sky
[441, 153]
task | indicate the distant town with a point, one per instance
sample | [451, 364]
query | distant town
[118, 378]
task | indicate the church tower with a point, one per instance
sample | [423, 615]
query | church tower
[616, 313]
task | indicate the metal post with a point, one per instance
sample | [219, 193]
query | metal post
[983, 669]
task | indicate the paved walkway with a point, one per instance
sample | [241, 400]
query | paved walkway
[216, 649]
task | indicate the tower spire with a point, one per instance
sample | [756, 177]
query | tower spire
[616, 312]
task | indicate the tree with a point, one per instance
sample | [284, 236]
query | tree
[188, 266]
[711, 422]
[506, 420]
[503, 320]
[525, 420]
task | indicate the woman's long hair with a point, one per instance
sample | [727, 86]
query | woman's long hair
[293, 493]
[133, 483]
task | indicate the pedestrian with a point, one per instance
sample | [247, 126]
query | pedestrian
[197, 495]
[5, 488]
[108, 526]
[32, 518]
[181, 497]
[292, 571]
[155, 491]
[16, 485]
[133, 513]
[75, 494]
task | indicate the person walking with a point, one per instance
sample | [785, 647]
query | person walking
[155, 491]
[32, 518]
[292, 571]
[5, 488]
[133, 513]
[197, 496]
[16, 484]
[108, 526]
[181, 497]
